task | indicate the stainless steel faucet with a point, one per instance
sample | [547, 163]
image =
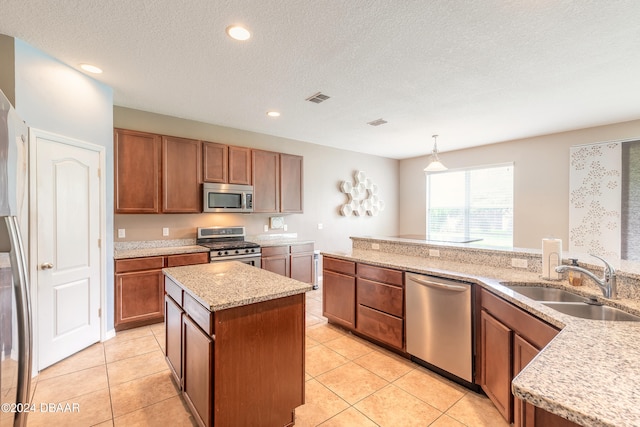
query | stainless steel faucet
[607, 284]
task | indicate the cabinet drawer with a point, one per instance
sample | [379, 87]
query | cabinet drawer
[199, 313]
[137, 264]
[187, 259]
[339, 266]
[274, 251]
[381, 326]
[380, 296]
[524, 324]
[173, 290]
[299, 249]
[379, 274]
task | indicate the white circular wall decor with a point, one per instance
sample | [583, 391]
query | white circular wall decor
[362, 196]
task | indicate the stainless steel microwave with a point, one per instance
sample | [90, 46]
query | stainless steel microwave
[227, 198]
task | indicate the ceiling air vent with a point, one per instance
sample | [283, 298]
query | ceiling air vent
[318, 98]
[377, 122]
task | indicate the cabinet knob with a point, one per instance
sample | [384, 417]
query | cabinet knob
[46, 266]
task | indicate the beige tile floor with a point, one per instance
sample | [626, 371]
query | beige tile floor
[349, 382]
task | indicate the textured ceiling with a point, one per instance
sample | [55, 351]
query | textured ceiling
[475, 71]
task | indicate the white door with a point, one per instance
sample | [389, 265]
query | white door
[68, 246]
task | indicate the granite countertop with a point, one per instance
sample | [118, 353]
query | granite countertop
[219, 286]
[158, 251]
[590, 371]
[281, 239]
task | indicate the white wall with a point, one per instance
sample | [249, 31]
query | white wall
[54, 97]
[324, 169]
[541, 180]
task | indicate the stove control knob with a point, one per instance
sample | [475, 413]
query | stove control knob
[237, 251]
[219, 253]
[226, 252]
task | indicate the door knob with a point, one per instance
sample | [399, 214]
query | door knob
[46, 266]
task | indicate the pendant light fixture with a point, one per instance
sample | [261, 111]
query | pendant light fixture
[435, 165]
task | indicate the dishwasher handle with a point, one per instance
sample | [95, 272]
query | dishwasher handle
[443, 286]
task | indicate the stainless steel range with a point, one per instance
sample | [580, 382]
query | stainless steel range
[228, 244]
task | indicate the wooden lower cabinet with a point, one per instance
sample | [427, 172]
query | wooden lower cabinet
[496, 345]
[139, 287]
[523, 353]
[197, 379]
[139, 299]
[242, 366]
[509, 339]
[365, 298]
[295, 261]
[276, 259]
[173, 336]
[380, 305]
[339, 298]
[301, 262]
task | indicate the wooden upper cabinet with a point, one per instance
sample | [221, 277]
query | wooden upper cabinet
[291, 183]
[215, 162]
[266, 180]
[226, 163]
[277, 182]
[239, 165]
[137, 172]
[181, 175]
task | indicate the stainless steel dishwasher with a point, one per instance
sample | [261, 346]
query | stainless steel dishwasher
[439, 323]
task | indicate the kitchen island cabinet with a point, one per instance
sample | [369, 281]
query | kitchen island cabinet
[242, 343]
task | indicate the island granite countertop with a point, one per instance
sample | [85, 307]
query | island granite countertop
[219, 286]
[590, 371]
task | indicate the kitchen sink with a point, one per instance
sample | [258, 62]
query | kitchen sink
[593, 312]
[540, 293]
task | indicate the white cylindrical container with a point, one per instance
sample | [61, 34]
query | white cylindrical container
[551, 258]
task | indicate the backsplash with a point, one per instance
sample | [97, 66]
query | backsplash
[628, 273]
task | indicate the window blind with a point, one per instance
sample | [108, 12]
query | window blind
[470, 204]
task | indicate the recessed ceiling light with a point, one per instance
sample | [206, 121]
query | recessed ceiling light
[273, 114]
[91, 68]
[238, 33]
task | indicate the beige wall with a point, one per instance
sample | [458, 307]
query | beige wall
[541, 175]
[324, 169]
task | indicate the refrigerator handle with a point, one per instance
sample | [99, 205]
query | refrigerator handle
[430, 284]
[23, 311]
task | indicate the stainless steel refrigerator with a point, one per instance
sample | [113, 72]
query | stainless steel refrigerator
[15, 309]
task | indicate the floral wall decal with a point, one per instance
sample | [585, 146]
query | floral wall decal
[594, 199]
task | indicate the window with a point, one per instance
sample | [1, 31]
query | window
[471, 204]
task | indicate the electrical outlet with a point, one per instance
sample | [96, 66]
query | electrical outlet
[266, 228]
[121, 233]
[320, 226]
[165, 231]
[519, 263]
[434, 252]
[375, 246]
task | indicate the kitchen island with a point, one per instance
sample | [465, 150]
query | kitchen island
[235, 338]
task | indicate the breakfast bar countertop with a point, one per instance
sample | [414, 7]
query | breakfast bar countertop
[219, 286]
[589, 373]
